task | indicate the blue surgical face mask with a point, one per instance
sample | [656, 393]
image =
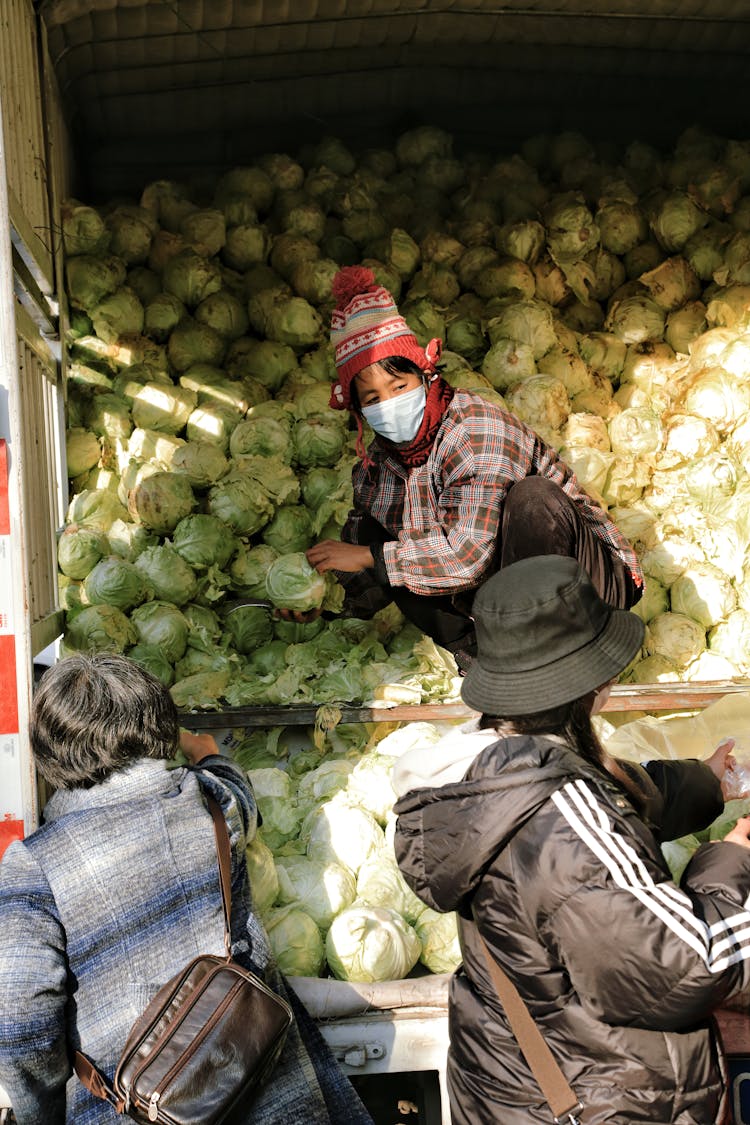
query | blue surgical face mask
[399, 418]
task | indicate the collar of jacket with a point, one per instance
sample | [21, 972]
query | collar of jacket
[448, 836]
[146, 777]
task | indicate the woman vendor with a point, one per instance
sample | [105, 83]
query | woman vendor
[451, 489]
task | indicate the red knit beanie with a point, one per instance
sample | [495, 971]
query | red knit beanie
[365, 327]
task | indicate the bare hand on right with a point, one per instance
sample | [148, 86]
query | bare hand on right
[740, 834]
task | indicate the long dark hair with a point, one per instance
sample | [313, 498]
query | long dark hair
[571, 721]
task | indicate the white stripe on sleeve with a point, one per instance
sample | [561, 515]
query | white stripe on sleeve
[718, 946]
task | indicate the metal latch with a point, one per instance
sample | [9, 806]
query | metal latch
[359, 1054]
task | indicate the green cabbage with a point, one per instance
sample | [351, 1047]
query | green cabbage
[367, 943]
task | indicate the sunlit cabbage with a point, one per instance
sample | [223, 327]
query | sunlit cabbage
[368, 943]
[295, 941]
[115, 581]
[711, 666]
[667, 559]
[322, 890]
[731, 639]
[676, 636]
[341, 832]
[730, 308]
[380, 883]
[323, 781]
[161, 624]
[152, 446]
[586, 431]
[568, 367]
[169, 576]
[109, 416]
[438, 933]
[261, 870]
[79, 549]
[96, 508]
[718, 397]
[82, 450]
[160, 501]
[635, 433]
[655, 669]
[704, 593]
[162, 408]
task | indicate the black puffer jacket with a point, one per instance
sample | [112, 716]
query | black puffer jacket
[618, 966]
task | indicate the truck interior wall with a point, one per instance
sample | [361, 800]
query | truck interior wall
[155, 90]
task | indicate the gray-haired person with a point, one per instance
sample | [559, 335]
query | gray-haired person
[119, 889]
[549, 850]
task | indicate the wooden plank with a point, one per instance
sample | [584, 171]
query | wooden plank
[326, 998]
[624, 697]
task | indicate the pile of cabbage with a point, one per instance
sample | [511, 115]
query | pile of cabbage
[601, 294]
[322, 865]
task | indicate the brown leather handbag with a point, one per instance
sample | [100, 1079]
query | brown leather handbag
[208, 1038]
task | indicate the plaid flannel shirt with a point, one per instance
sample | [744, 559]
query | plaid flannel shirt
[445, 514]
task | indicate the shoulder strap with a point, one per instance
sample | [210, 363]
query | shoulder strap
[90, 1075]
[223, 851]
[550, 1079]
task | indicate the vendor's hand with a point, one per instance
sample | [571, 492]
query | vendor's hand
[332, 554]
[196, 747]
[302, 617]
[740, 834]
[721, 762]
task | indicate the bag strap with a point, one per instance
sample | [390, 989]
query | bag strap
[224, 853]
[550, 1079]
[89, 1074]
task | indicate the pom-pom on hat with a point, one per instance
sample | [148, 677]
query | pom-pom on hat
[365, 327]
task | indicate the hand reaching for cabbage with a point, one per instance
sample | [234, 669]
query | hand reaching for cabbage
[332, 554]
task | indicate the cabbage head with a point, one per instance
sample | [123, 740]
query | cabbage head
[202, 462]
[114, 581]
[438, 933]
[100, 628]
[201, 691]
[163, 408]
[160, 501]
[704, 593]
[161, 624]
[318, 441]
[506, 363]
[154, 661]
[291, 583]
[731, 639]
[203, 540]
[264, 880]
[248, 569]
[370, 785]
[79, 549]
[82, 450]
[368, 943]
[340, 832]
[167, 574]
[95, 508]
[290, 531]
[295, 940]
[248, 627]
[322, 890]
[541, 402]
[240, 502]
[380, 883]
[675, 636]
[191, 277]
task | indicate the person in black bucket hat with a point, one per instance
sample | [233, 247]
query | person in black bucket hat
[548, 850]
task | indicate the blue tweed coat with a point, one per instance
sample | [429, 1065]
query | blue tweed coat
[115, 892]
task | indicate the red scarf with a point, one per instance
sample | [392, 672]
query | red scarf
[439, 395]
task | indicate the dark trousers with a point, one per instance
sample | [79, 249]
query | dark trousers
[538, 519]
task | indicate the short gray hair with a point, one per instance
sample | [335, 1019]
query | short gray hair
[95, 714]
